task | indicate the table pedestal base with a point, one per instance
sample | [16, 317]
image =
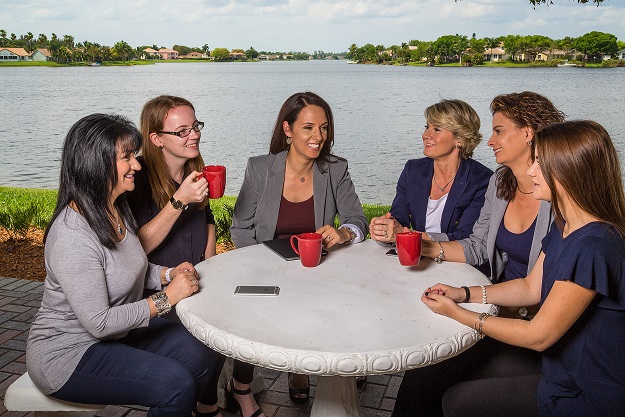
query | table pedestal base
[336, 396]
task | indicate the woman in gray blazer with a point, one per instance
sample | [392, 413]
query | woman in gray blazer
[298, 187]
[507, 235]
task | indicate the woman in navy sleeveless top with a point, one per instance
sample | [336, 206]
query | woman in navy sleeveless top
[579, 280]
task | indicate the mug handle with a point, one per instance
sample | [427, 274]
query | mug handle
[293, 246]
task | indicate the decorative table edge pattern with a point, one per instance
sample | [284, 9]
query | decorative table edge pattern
[326, 363]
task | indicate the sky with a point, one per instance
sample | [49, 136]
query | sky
[302, 25]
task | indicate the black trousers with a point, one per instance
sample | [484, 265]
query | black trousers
[489, 379]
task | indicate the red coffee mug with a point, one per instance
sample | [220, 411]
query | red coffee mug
[216, 177]
[409, 248]
[308, 248]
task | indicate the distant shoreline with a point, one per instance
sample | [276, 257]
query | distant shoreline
[184, 61]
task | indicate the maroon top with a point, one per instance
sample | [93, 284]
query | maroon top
[295, 218]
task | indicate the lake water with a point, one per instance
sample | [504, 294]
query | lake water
[378, 109]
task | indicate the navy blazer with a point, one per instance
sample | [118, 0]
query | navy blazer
[464, 201]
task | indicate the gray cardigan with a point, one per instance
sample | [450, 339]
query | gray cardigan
[256, 210]
[91, 294]
[480, 246]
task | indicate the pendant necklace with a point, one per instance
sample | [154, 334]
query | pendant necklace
[302, 178]
[445, 186]
[119, 226]
[449, 182]
[523, 192]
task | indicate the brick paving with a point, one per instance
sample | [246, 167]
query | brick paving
[20, 299]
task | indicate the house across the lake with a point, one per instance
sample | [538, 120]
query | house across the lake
[14, 55]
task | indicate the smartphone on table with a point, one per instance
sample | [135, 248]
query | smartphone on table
[257, 290]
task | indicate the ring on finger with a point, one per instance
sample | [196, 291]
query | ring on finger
[385, 233]
[328, 237]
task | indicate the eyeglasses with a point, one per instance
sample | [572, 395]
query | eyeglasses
[186, 132]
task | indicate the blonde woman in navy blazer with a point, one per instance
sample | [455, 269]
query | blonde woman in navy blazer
[300, 186]
[443, 193]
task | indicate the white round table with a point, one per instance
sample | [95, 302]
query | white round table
[359, 312]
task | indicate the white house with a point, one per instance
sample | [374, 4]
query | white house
[13, 55]
[621, 54]
[41, 54]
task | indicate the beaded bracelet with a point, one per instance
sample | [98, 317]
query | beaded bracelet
[441, 254]
[484, 299]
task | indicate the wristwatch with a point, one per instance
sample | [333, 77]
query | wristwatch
[352, 235]
[178, 204]
[161, 302]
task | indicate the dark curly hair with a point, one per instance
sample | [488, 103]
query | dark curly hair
[524, 109]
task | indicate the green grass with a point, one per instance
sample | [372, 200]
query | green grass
[21, 208]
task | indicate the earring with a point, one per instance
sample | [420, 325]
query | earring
[161, 147]
[458, 146]
[288, 140]
[530, 142]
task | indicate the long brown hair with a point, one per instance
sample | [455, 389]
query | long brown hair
[581, 157]
[524, 109]
[289, 112]
[153, 118]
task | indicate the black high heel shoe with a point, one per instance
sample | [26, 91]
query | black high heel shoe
[299, 395]
[232, 405]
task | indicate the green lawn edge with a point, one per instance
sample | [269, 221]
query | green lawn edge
[24, 207]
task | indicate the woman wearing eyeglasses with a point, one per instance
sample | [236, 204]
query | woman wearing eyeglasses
[170, 199]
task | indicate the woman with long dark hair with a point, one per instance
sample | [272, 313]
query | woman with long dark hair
[300, 186]
[95, 340]
[579, 281]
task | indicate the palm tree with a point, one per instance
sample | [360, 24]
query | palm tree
[3, 35]
[28, 38]
[42, 41]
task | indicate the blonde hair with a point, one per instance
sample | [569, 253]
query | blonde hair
[461, 119]
[153, 118]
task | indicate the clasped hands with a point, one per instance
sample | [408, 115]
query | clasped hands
[184, 282]
[443, 299]
[384, 228]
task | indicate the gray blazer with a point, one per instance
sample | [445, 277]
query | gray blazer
[480, 246]
[256, 210]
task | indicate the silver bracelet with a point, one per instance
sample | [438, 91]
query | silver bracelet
[161, 302]
[167, 277]
[484, 298]
[352, 234]
[441, 254]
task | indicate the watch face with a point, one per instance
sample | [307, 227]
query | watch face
[177, 204]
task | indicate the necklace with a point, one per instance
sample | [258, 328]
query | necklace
[119, 226]
[448, 182]
[445, 186]
[523, 192]
[302, 178]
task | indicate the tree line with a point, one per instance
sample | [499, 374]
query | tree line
[591, 46]
[66, 49]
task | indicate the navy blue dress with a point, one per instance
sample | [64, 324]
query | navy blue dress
[584, 371]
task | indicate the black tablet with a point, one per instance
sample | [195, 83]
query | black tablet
[283, 248]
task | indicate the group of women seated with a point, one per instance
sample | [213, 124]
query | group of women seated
[547, 228]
